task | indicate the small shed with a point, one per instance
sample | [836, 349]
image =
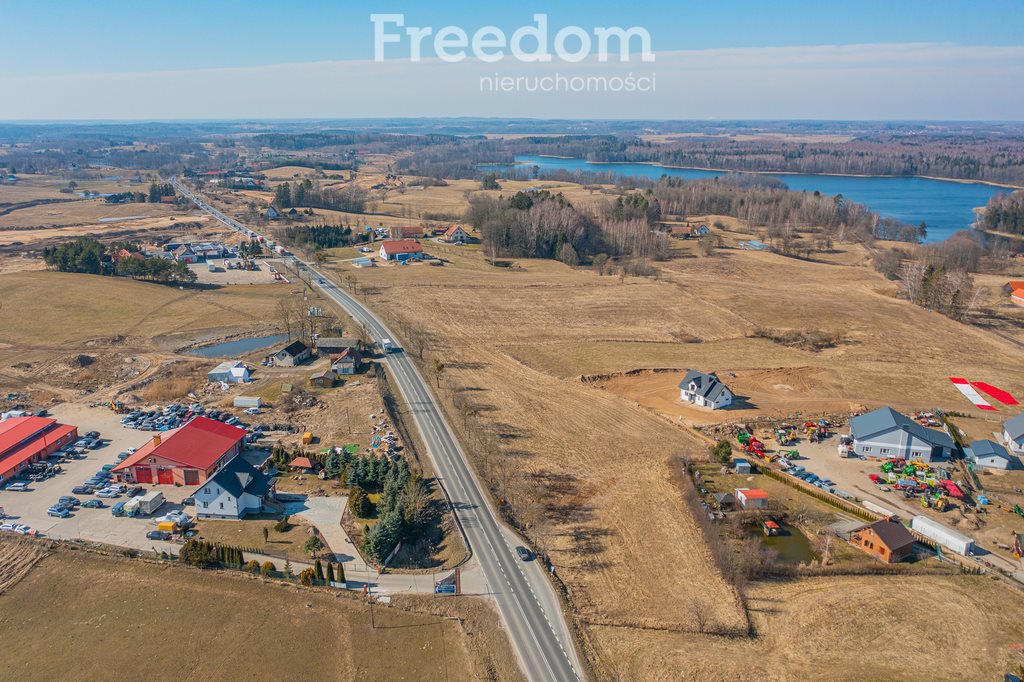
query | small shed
[725, 501]
[324, 379]
[303, 465]
[741, 466]
[989, 455]
[751, 498]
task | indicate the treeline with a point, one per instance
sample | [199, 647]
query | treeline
[319, 236]
[545, 225]
[349, 199]
[1004, 213]
[969, 157]
[156, 192]
[90, 256]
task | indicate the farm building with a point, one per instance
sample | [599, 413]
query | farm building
[1013, 434]
[229, 372]
[947, 537]
[332, 346]
[185, 254]
[324, 379]
[187, 455]
[455, 234]
[207, 249]
[704, 390]
[401, 250]
[885, 540]
[989, 455]
[293, 354]
[886, 433]
[406, 232]
[751, 498]
[26, 440]
[741, 466]
[236, 490]
[347, 362]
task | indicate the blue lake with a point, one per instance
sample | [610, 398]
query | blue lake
[945, 206]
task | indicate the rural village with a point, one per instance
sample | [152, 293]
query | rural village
[722, 450]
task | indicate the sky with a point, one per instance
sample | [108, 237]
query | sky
[728, 59]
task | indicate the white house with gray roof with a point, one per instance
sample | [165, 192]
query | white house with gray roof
[886, 433]
[990, 455]
[1013, 434]
[704, 390]
[237, 489]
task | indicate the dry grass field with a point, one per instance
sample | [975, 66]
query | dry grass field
[516, 339]
[79, 615]
[844, 628]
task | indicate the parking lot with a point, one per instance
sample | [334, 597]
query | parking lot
[98, 525]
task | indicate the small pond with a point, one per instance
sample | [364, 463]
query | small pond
[230, 349]
[792, 545]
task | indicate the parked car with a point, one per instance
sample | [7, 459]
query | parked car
[524, 554]
[131, 451]
[122, 456]
[69, 500]
[58, 511]
[7, 527]
[107, 493]
[83, 490]
[19, 487]
[135, 491]
[158, 535]
[93, 504]
[93, 435]
[117, 509]
[188, 502]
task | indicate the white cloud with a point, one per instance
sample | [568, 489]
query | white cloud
[884, 81]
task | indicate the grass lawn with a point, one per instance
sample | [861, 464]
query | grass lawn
[249, 533]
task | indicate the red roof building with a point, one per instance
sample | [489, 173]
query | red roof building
[187, 455]
[400, 249]
[24, 440]
[303, 463]
[455, 233]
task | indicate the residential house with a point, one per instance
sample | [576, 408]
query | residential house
[885, 433]
[401, 250]
[187, 455]
[25, 440]
[229, 372]
[704, 390]
[1013, 434]
[989, 455]
[293, 354]
[456, 235]
[324, 379]
[347, 362]
[272, 213]
[885, 540]
[235, 491]
[751, 498]
[1016, 292]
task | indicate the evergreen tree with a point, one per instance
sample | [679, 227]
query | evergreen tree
[319, 568]
[330, 573]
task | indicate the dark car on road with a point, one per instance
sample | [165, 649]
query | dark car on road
[524, 553]
[93, 504]
[158, 535]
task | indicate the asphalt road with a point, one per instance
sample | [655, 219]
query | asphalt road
[525, 598]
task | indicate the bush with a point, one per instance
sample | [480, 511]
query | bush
[359, 502]
[252, 566]
[721, 452]
[268, 567]
[313, 545]
[307, 576]
[282, 526]
[197, 553]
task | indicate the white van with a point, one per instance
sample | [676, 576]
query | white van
[18, 487]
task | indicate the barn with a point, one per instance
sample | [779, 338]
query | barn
[188, 455]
